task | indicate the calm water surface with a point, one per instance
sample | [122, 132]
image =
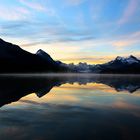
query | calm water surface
[69, 107]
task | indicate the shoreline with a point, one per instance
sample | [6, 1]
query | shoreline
[66, 74]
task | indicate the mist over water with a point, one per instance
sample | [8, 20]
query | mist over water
[70, 106]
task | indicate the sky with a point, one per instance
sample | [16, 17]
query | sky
[92, 31]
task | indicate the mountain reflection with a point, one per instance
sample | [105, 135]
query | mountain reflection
[14, 87]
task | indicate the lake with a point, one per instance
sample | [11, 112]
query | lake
[69, 107]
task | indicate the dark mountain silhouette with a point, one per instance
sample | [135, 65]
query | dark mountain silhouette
[46, 57]
[15, 59]
[12, 88]
[119, 65]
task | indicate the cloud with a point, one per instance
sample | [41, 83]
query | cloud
[57, 34]
[127, 40]
[30, 102]
[13, 13]
[74, 2]
[39, 6]
[33, 5]
[89, 60]
[128, 12]
[120, 44]
[96, 8]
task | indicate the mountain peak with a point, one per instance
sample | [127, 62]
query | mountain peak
[44, 55]
[129, 60]
[133, 57]
[119, 58]
[40, 51]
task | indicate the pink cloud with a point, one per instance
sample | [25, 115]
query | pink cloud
[33, 5]
[129, 11]
[13, 14]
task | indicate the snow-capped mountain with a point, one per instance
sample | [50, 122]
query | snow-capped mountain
[129, 64]
[124, 65]
[127, 60]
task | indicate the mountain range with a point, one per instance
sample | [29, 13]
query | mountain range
[14, 59]
[120, 65]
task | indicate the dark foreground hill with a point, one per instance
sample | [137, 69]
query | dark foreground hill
[14, 59]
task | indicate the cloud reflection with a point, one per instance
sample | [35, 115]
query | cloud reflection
[12, 88]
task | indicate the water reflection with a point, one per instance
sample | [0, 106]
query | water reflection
[13, 87]
[100, 107]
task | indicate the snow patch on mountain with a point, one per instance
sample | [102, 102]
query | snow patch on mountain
[129, 60]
